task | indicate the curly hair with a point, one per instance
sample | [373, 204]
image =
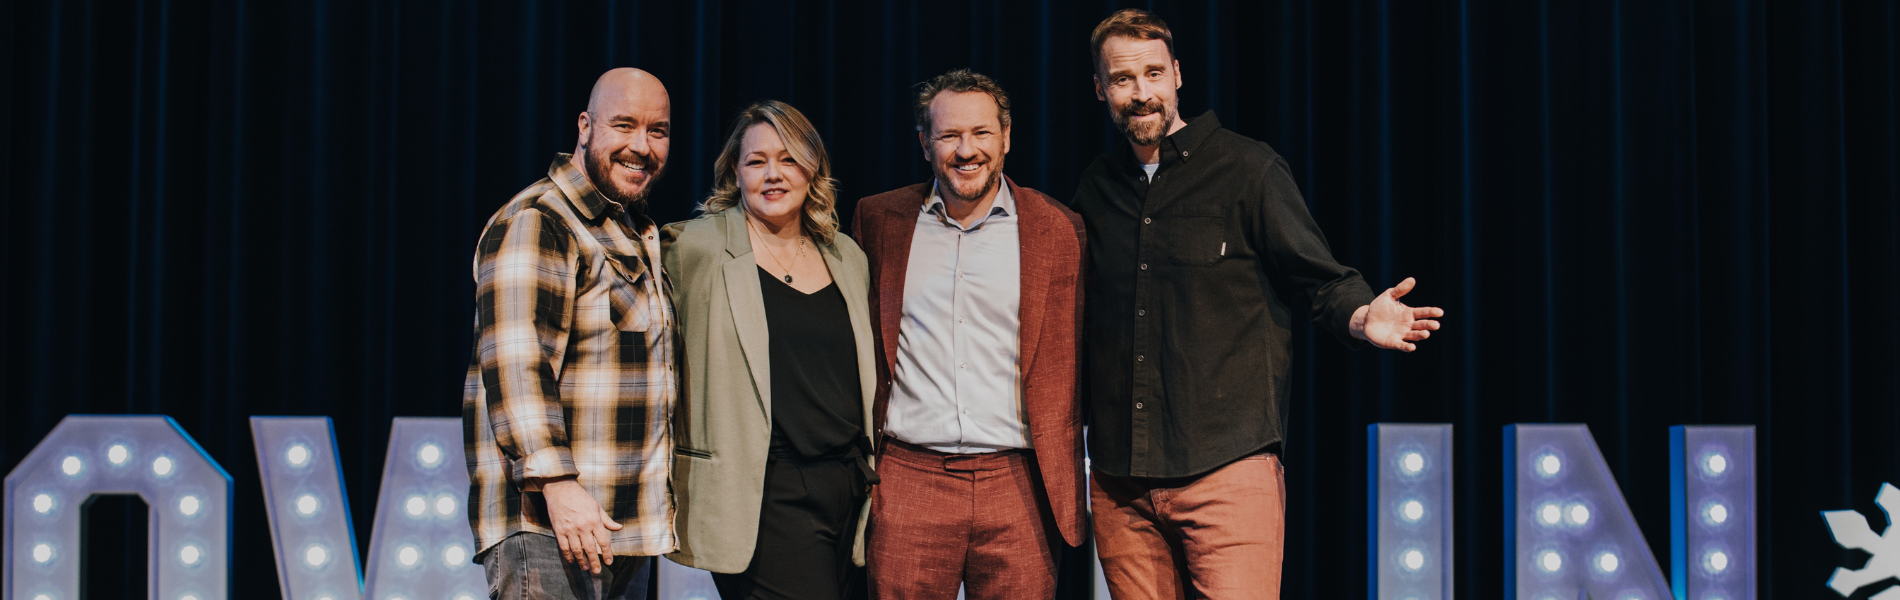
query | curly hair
[820, 218]
[957, 82]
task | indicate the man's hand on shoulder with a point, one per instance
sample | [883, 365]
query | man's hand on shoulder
[1388, 323]
[580, 526]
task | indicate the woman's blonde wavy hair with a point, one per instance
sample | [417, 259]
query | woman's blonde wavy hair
[808, 150]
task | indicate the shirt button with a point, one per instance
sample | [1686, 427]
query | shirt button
[1141, 357]
[959, 365]
[1145, 221]
[1137, 406]
[1144, 266]
[1141, 313]
[1183, 154]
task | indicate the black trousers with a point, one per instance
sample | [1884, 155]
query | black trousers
[807, 521]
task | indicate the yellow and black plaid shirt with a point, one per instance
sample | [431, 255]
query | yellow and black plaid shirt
[573, 371]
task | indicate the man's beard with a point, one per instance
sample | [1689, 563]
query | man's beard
[951, 191]
[600, 172]
[1144, 134]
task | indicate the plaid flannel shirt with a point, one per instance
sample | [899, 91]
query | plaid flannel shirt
[573, 371]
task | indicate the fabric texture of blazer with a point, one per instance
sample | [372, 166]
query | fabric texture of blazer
[722, 428]
[1053, 243]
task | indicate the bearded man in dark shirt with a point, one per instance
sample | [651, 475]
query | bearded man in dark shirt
[1196, 235]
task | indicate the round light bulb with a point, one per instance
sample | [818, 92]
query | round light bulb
[454, 556]
[1608, 562]
[464, 597]
[42, 597]
[72, 465]
[430, 454]
[1550, 514]
[190, 555]
[1412, 510]
[1414, 560]
[42, 553]
[189, 505]
[298, 454]
[1717, 561]
[416, 506]
[1718, 464]
[162, 466]
[316, 556]
[1579, 514]
[42, 504]
[306, 505]
[1718, 514]
[1550, 561]
[1550, 464]
[117, 454]
[408, 556]
[1412, 462]
[188, 597]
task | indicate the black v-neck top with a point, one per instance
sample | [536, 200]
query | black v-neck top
[817, 402]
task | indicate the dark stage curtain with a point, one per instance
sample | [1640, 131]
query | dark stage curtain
[1639, 214]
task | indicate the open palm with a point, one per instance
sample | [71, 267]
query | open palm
[1388, 323]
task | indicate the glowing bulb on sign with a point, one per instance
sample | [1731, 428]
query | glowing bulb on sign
[1412, 463]
[117, 454]
[190, 555]
[188, 505]
[1550, 464]
[1608, 562]
[1717, 513]
[1414, 560]
[72, 465]
[416, 506]
[454, 556]
[306, 505]
[1717, 561]
[1717, 464]
[1579, 514]
[444, 505]
[1412, 510]
[42, 504]
[408, 556]
[1550, 561]
[42, 553]
[297, 455]
[1550, 514]
[430, 454]
[162, 466]
[316, 556]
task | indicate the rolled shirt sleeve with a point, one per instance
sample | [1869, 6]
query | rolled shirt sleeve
[525, 299]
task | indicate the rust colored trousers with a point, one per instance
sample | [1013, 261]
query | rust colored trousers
[1217, 535]
[980, 520]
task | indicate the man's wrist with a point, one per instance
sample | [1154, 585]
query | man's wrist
[1357, 325]
[536, 484]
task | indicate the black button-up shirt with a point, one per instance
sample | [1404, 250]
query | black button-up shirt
[1189, 281]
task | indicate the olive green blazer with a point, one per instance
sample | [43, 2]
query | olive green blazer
[722, 426]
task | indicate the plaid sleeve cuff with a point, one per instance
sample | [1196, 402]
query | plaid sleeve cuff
[557, 461]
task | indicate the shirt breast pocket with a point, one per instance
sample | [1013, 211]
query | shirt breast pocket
[1196, 236]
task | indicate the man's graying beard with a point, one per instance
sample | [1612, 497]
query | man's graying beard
[599, 172]
[1147, 134]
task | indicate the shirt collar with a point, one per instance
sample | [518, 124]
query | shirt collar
[1005, 204]
[580, 191]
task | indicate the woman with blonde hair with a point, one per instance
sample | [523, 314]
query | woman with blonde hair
[772, 450]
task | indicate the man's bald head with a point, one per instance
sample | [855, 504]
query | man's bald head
[625, 135]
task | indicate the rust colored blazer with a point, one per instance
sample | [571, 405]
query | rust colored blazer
[1053, 244]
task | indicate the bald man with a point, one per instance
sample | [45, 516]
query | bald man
[572, 381]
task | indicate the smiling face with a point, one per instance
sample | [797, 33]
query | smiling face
[772, 183]
[966, 144]
[1139, 80]
[624, 136]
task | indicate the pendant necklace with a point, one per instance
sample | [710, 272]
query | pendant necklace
[775, 260]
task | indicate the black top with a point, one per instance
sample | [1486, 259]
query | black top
[817, 403]
[1188, 331]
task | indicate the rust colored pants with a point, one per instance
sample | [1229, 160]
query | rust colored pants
[939, 519]
[1218, 535]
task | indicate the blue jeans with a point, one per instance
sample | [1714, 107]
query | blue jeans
[528, 566]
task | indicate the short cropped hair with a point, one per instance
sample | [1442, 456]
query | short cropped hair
[820, 218]
[1129, 22]
[957, 82]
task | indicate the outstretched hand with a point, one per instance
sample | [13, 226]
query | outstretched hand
[1388, 323]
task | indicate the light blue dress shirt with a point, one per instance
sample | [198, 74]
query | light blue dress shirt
[958, 382]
